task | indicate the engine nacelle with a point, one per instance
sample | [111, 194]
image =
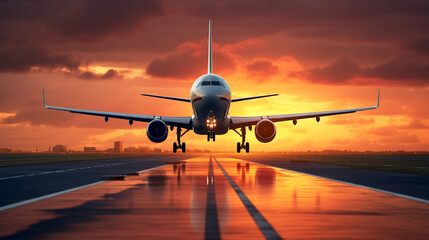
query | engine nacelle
[157, 131]
[265, 131]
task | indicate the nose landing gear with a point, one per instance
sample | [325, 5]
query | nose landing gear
[211, 135]
[179, 145]
[243, 144]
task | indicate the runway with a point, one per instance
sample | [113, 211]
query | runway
[208, 197]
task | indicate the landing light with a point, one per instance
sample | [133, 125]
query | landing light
[211, 123]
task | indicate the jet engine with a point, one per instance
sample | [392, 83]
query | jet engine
[157, 131]
[265, 131]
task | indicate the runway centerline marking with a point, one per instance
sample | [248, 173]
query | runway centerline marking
[267, 230]
[212, 221]
[13, 205]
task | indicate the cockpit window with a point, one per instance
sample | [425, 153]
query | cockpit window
[208, 83]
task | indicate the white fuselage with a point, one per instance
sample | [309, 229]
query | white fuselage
[210, 99]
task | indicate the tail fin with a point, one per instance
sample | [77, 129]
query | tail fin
[378, 99]
[210, 67]
[44, 102]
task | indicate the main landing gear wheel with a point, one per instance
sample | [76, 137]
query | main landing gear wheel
[243, 145]
[182, 146]
[174, 147]
[178, 145]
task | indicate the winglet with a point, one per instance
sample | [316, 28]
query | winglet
[378, 98]
[210, 60]
[44, 103]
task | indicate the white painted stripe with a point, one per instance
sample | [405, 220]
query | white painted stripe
[13, 205]
[150, 169]
[12, 177]
[349, 183]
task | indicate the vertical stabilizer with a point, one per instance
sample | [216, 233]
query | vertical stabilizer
[210, 67]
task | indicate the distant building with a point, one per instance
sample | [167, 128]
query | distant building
[89, 149]
[141, 149]
[59, 149]
[5, 150]
[118, 146]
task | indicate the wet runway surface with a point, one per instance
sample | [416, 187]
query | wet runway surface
[213, 198]
[30, 181]
[401, 183]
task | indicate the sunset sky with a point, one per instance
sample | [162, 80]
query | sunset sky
[318, 55]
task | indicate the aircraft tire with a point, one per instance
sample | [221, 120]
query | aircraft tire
[174, 147]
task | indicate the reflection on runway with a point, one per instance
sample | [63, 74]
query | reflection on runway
[194, 200]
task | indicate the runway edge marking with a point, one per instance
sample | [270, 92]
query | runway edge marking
[349, 183]
[14, 205]
[267, 230]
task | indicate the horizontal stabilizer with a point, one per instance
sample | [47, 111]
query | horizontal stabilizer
[250, 98]
[165, 97]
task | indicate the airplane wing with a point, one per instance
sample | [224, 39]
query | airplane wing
[184, 122]
[237, 122]
[250, 98]
[166, 97]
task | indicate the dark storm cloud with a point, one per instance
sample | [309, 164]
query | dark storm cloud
[23, 58]
[109, 74]
[97, 19]
[33, 33]
[343, 70]
[339, 71]
[334, 19]
[395, 70]
[420, 45]
[70, 33]
[262, 67]
[188, 61]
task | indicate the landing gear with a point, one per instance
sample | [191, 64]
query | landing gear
[211, 135]
[179, 145]
[243, 144]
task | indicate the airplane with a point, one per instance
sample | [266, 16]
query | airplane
[210, 99]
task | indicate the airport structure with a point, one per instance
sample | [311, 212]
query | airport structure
[118, 147]
[90, 149]
[59, 149]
